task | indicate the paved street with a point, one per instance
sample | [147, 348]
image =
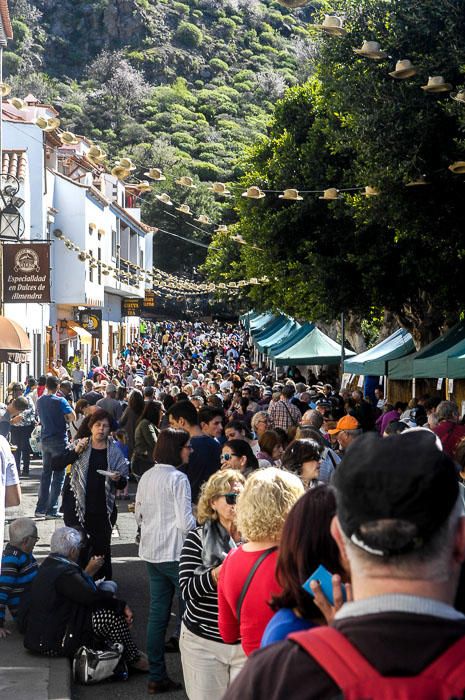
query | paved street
[131, 576]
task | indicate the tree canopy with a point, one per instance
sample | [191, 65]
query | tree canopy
[353, 125]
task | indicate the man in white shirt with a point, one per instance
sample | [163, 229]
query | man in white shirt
[77, 375]
[62, 372]
[10, 490]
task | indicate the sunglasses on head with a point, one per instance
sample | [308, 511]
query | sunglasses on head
[230, 498]
[227, 456]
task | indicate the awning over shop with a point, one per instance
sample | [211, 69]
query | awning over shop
[435, 360]
[248, 317]
[315, 348]
[14, 342]
[373, 362]
[84, 336]
[273, 336]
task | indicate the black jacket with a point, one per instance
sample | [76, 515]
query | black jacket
[60, 605]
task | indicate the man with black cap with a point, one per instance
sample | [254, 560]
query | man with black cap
[400, 528]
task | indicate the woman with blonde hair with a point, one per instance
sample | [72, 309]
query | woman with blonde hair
[209, 665]
[247, 578]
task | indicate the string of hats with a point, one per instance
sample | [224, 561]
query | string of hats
[160, 280]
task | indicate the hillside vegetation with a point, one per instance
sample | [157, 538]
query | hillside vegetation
[169, 82]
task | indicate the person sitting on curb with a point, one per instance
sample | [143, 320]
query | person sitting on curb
[400, 525]
[18, 569]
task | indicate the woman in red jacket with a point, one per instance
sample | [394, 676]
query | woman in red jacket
[247, 577]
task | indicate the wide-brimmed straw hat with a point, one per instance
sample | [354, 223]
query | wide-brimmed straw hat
[292, 195]
[4, 89]
[68, 138]
[96, 153]
[219, 188]
[184, 209]
[420, 181]
[404, 69]
[164, 198]
[52, 124]
[458, 167]
[370, 191]
[203, 219]
[119, 172]
[143, 186]
[41, 122]
[16, 102]
[222, 228]
[330, 194]
[186, 181]
[332, 24]
[371, 49]
[459, 96]
[291, 4]
[436, 83]
[126, 163]
[254, 193]
[155, 174]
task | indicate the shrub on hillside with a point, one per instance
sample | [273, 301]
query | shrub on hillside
[189, 35]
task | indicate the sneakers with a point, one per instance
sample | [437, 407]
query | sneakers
[39, 516]
[165, 686]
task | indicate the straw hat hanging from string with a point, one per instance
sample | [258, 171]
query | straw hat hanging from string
[155, 174]
[184, 209]
[436, 83]
[41, 122]
[458, 168]
[4, 89]
[126, 163]
[330, 194]
[143, 186]
[221, 229]
[203, 219]
[419, 182]
[371, 49]
[459, 96]
[96, 153]
[370, 191]
[219, 188]
[404, 69]
[164, 198]
[332, 24]
[68, 138]
[291, 195]
[119, 172]
[254, 193]
[16, 102]
[185, 181]
[292, 4]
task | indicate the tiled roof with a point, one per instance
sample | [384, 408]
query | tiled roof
[14, 163]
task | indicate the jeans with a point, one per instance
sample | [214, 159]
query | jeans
[164, 583]
[51, 482]
[77, 391]
[20, 435]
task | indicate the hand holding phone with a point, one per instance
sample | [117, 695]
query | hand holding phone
[328, 591]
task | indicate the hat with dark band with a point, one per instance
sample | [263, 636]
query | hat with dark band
[402, 480]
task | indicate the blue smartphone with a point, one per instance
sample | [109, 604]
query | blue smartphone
[325, 579]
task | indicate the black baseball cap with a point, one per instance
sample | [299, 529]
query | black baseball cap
[403, 478]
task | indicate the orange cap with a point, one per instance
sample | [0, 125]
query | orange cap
[345, 423]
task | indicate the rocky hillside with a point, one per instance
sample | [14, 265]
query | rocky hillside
[189, 82]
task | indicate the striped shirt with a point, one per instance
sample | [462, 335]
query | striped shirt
[18, 571]
[198, 590]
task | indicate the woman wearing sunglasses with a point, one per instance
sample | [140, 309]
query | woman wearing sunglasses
[237, 454]
[209, 665]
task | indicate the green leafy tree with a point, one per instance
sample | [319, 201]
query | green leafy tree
[354, 125]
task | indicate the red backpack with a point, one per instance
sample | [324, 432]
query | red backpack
[444, 679]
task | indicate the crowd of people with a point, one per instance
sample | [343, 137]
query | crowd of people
[247, 483]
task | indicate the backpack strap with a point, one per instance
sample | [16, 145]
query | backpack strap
[338, 658]
[450, 666]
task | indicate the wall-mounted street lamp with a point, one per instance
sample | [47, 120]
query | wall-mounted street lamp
[11, 221]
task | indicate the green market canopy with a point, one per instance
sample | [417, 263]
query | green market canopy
[373, 362]
[291, 339]
[273, 336]
[435, 360]
[259, 323]
[315, 348]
